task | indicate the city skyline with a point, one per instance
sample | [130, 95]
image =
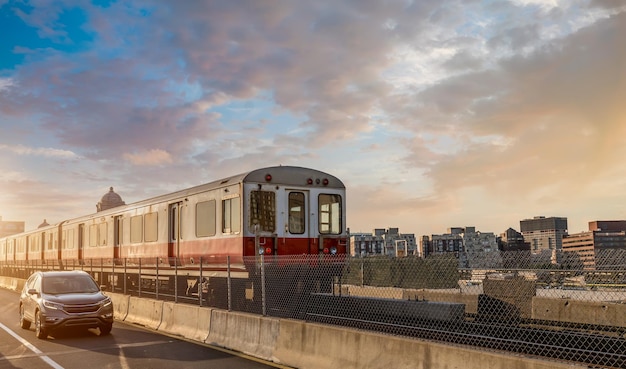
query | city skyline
[434, 114]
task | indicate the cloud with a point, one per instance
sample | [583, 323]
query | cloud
[6, 84]
[42, 151]
[465, 98]
[150, 157]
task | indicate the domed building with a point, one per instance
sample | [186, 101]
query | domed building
[44, 224]
[109, 200]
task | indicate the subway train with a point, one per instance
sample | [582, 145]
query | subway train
[216, 231]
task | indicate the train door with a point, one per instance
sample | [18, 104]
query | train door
[117, 237]
[298, 222]
[81, 240]
[173, 245]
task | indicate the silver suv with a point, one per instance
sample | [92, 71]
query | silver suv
[64, 299]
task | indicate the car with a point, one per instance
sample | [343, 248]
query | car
[56, 300]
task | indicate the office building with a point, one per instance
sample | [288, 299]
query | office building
[544, 233]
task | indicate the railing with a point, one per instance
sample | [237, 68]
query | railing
[554, 304]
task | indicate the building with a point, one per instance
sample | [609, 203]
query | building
[512, 240]
[382, 241]
[8, 228]
[365, 244]
[442, 244]
[459, 239]
[476, 241]
[592, 248]
[109, 200]
[544, 233]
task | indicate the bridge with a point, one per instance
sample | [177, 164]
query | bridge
[406, 313]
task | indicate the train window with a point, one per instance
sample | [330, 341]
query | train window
[102, 234]
[263, 210]
[231, 215]
[151, 233]
[70, 242]
[205, 219]
[136, 229]
[297, 213]
[330, 214]
[93, 235]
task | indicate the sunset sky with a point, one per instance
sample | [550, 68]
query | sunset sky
[435, 114]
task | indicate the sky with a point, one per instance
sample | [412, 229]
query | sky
[434, 113]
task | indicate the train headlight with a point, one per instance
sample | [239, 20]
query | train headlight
[261, 251]
[333, 250]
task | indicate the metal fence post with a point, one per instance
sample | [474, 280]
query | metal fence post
[263, 302]
[156, 282]
[139, 279]
[230, 307]
[125, 276]
[200, 284]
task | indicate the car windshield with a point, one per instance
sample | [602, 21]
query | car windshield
[57, 285]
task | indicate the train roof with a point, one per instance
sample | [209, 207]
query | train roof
[284, 175]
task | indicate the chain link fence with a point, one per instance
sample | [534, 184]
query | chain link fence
[561, 305]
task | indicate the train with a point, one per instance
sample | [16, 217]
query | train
[219, 229]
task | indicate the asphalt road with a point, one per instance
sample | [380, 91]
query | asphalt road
[127, 347]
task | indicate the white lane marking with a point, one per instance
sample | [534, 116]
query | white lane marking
[34, 349]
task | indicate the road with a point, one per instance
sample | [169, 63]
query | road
[127, 347]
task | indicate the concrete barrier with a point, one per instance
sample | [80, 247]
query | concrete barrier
[312, 346]
[145, 312]
[19, 284]
[583, 312]
[251, 334]
[191, 322]
[5, 282]
[120, 305]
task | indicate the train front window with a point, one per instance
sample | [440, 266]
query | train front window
[330, 214]
[296, 213]
[263, 210]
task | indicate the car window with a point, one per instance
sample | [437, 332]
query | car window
[68, 284]
[31, 282]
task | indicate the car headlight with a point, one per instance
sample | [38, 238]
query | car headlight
[106, 303]
[52, 305]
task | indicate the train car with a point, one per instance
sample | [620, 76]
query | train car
[212, 231]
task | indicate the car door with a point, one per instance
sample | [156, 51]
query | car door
[29, 301]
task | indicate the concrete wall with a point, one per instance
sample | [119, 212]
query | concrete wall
[299, 344]
[584, 312]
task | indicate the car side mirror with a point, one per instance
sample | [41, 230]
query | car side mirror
[103, 287]
[32, 291]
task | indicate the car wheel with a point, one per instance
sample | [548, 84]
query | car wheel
[106, 329]
[25, 324]
[40, 332]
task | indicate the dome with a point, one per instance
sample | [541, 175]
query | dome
[110, 200]
[44, 224]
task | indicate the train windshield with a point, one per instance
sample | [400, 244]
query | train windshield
[263, 210]
[330, 213]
